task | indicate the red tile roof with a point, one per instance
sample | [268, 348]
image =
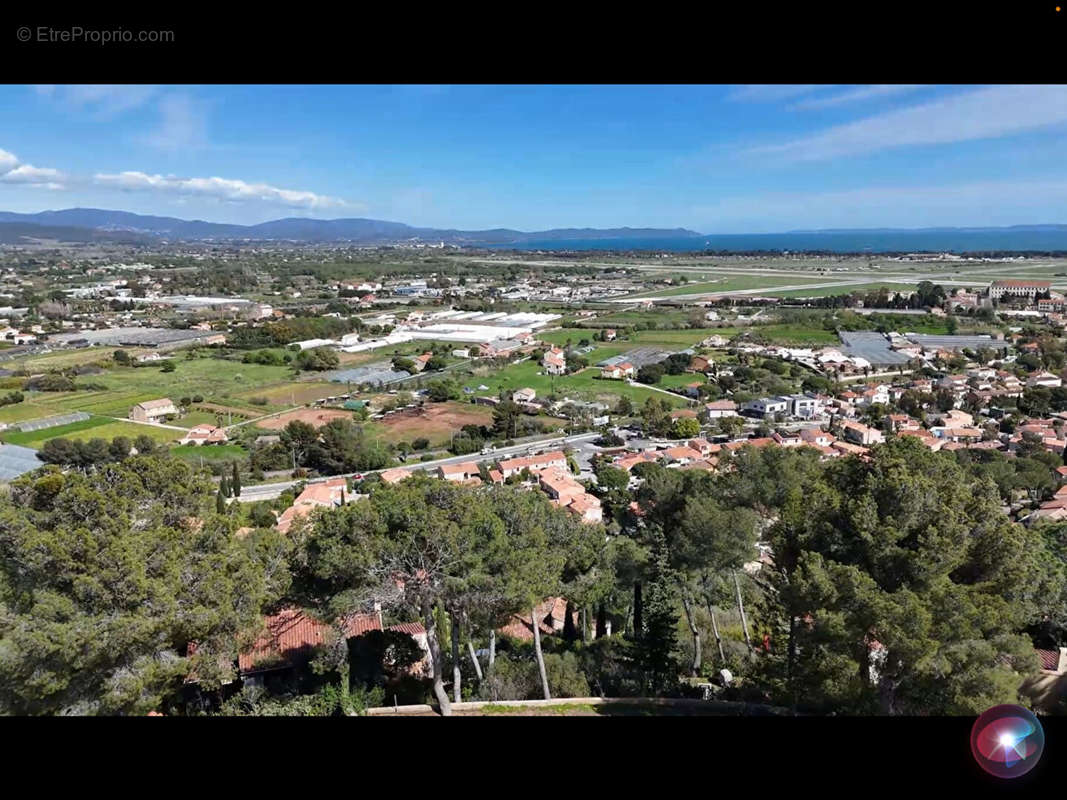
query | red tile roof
[291, 631]
[1050, 659]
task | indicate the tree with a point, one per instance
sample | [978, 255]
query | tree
[167, 366]
[650, 373]
[235, 481]
[108, 576]
[656, 648]
[120, 448]
[506, 416]
[317, 359]
[298, 438]
[685, 428]
[441, 391]
[901, 589]
[121, 357]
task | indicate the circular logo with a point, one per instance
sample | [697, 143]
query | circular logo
[1007, 741]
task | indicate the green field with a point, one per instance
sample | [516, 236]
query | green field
[92, 428]
[586, 384]
[29, 438]
[732, 283]
[843, 289]
[194, 453]
[226, 383]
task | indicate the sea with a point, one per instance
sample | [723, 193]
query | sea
[947, 241]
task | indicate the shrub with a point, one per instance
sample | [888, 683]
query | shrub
[258, 401]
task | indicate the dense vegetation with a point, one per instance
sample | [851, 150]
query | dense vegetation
[895, 586]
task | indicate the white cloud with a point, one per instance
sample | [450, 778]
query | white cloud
[13, 171]
[182, 126]
[104, 100]
[771, 93]
[983, 114]
[857, 95]
[219, 188]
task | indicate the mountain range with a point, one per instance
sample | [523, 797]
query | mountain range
[91, 224]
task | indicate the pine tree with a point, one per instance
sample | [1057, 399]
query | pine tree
[657, 646]
[235, 482]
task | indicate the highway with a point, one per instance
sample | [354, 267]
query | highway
[582, 443]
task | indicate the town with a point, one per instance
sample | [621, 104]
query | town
[296, 385]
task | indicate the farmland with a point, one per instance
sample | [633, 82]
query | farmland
[92, 428]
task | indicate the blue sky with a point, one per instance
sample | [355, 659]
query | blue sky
[717, 159]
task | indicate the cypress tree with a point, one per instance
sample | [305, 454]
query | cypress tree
[220, 501]
[657, 645]
[236, 481]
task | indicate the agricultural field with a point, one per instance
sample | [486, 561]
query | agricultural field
[586, 384]
[195, 453]
[92, 428]
[223, 383]
[433, 421]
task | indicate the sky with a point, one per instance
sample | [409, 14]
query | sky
[715, 159]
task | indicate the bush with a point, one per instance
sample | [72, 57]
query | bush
[258, 401]
[420, 444]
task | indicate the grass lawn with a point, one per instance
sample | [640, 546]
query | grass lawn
[193, 453]
[217, 380]
[31, 438]
[194, 418]
[586, 384]
[92, 428]
[293, 393]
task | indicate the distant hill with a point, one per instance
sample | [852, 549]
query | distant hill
[369, 231]
[26, 233]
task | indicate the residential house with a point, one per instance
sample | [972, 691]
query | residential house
[720, 408]
[699, 364]
[326, 494]
[861, 434]
[394, 475]
[514, 466]
[617, 371]
[153, 410]
[204, 434]
[459, 472]
[524, 395]
[551, 618]
[554, 362]
[1046, 379]
[766, 406]
[1049, 686]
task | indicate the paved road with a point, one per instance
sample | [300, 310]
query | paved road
[581, 442]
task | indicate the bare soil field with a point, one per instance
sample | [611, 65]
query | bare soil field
[434, 421]
[313, 416]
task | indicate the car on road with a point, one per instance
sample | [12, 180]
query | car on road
[358, 476]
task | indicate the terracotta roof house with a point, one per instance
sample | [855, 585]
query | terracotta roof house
[554, 362]
[327, 494]
[291, 637]
[394, 475]
[681, 455]
[550, 614]
[204, 434]
[511, 466]
[458, 472]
